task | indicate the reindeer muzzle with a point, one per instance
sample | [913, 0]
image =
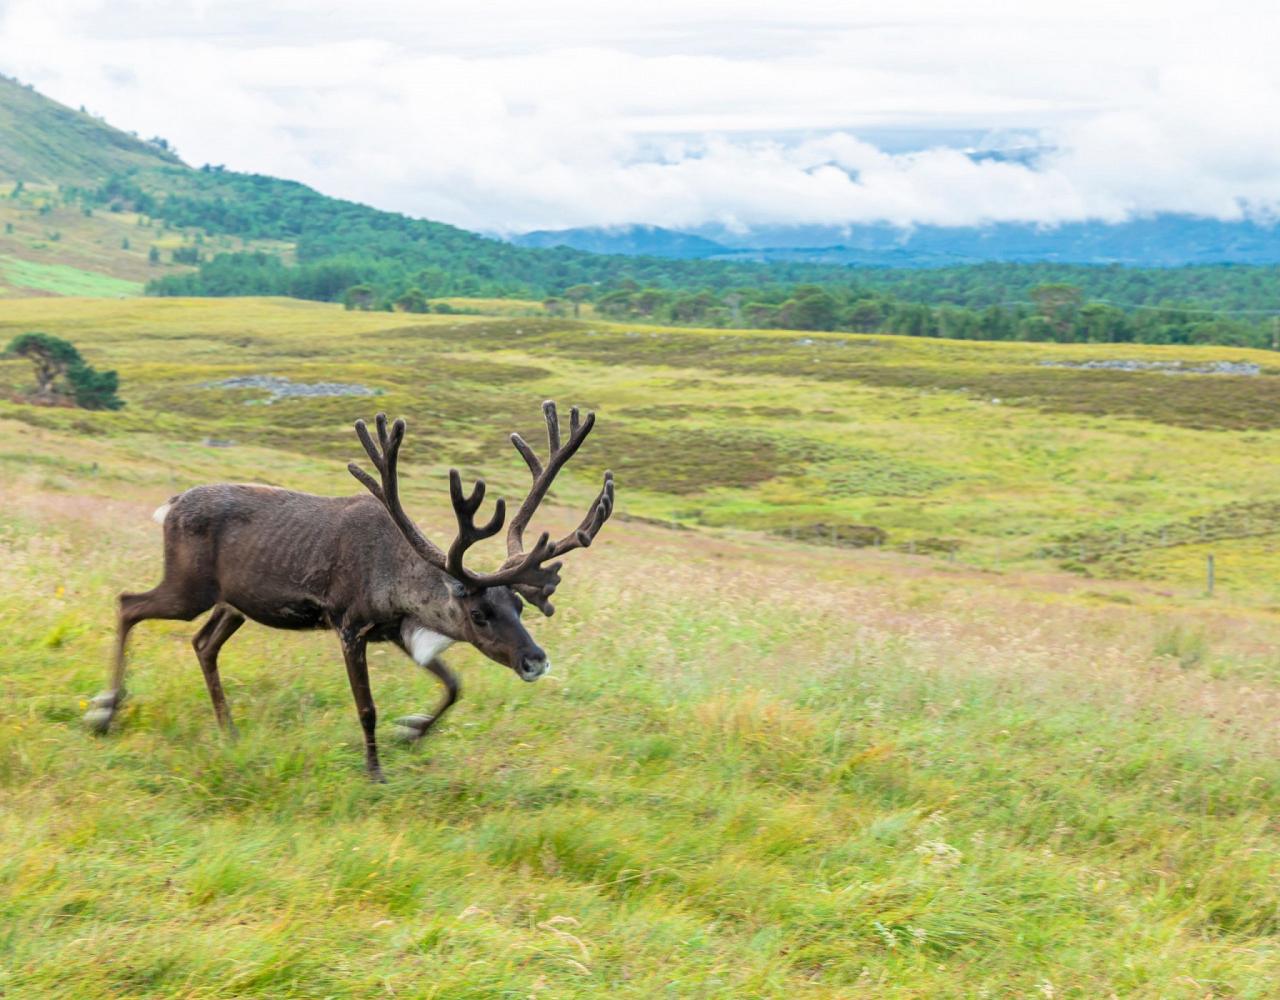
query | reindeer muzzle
[533, 667]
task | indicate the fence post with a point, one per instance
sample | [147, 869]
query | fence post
[1208, 572]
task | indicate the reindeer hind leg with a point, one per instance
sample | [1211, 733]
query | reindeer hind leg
[169, 600]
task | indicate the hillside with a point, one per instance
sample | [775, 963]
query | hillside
[47, 142]
[54, 240]
[1012, 751]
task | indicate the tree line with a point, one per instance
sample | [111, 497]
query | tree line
[1056, 312]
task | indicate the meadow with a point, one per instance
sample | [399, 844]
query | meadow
[1001, 456]
[1012, 751]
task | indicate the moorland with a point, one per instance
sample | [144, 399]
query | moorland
[895, 674]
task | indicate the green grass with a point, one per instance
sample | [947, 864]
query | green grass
[59, 279]
[762, 766]
[758, 769]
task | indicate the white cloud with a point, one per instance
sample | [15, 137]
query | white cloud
[557, 114]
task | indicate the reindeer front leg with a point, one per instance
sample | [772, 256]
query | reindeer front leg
[354, 643]
[412, 728]
[424, 646]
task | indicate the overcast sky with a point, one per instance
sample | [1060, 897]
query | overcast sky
[510, 116]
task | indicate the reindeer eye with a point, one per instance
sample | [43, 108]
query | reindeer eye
[479, 617]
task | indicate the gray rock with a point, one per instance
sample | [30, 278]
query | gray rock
[1164, 367]
[280, 387]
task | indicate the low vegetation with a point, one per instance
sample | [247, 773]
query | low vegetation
[764, 765]
[46, 142]
[997, 455]
[759, 769]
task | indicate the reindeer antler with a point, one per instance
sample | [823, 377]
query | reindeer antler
[384, 459]
[526, 572]
[543, 476]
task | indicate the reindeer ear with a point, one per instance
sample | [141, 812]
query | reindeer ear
[457, 589]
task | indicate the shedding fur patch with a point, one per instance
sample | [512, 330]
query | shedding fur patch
[423, 644]
[161, 513]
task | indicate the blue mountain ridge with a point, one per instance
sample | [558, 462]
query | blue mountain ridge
[1158, 241]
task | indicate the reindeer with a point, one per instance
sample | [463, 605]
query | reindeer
[359, 566]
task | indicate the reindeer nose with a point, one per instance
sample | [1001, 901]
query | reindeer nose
[533, 666]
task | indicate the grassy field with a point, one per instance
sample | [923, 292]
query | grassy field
[761, 767]
[996, 455]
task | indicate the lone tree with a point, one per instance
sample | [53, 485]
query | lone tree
[57, 361]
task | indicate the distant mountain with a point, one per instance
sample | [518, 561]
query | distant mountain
[630, 241]
[42, 141]
[1161, 241]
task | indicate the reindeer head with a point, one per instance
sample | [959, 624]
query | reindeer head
[484, 608]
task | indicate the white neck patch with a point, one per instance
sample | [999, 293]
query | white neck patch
[423, 644]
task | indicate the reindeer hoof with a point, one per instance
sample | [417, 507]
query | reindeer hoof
[412, 728]
[102, 710]
[98, 720]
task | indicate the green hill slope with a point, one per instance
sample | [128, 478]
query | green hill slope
[47, 142]
[53, 239]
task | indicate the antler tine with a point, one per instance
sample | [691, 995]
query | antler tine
[528, 572]
[582, 536]
[553, 425]
[522, 446]
[384, 455]
[543, 476]
[464, 508]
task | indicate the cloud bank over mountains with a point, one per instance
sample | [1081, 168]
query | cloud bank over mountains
[511, 118]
